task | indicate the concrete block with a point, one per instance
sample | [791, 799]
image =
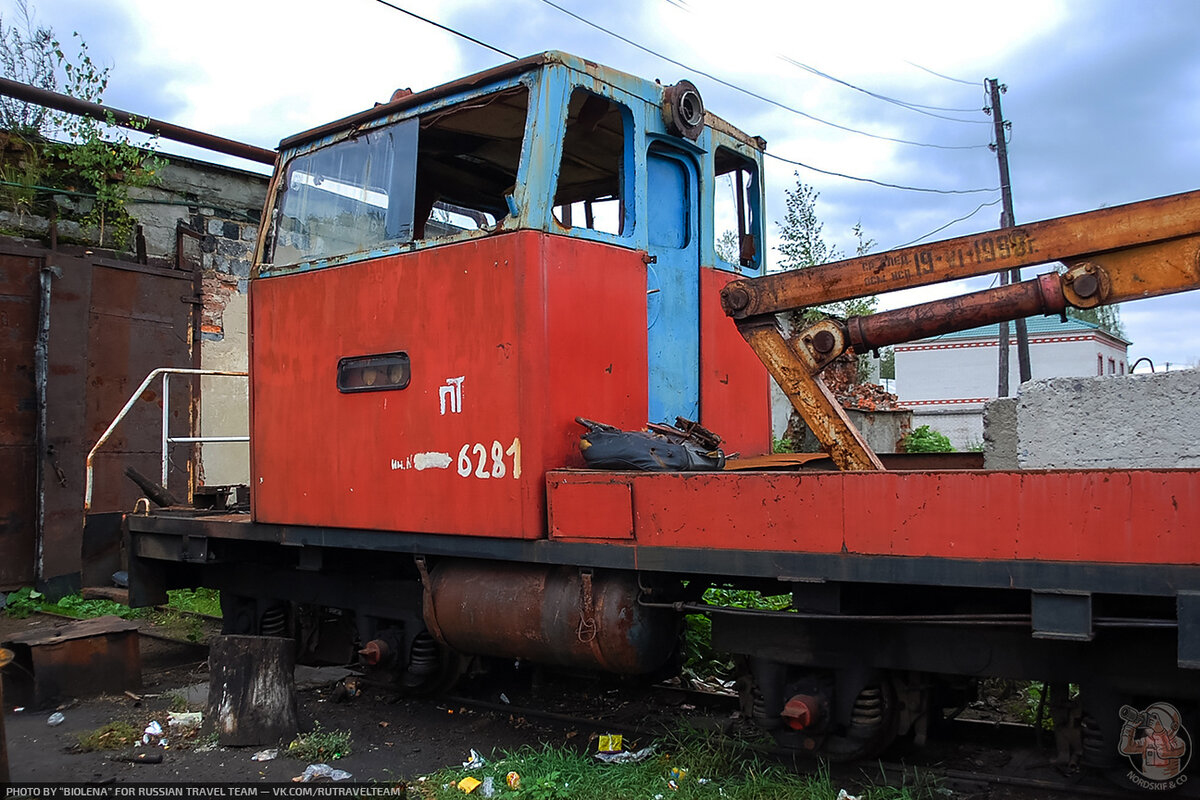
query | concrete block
[1000, 434]
[1112, 422]
[882, 430]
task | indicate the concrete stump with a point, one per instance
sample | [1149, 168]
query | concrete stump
[251, 690]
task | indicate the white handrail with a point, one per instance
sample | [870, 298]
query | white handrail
[166, 372]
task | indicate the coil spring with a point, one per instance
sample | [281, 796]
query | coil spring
[423, 659]
[274, 622]
[868, 708]
[759, 706]
[1095, 751]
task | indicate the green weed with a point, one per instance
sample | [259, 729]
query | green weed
[320, 745]
[702, 766]
[26, 601]
[699, 659]
[196, 601]
[926, 440]
[110, 736]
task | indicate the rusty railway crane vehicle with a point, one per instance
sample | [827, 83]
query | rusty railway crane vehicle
[445, 282]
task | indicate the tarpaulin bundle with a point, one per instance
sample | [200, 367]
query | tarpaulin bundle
[663, 449]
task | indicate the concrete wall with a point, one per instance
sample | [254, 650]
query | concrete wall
[1000, 434]
[1122, 422]
[225, 205]
[1113, 422]
[882, 430]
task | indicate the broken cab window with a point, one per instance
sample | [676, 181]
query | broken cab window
[449, 171]
[591, 175]
[735, 209]
[467, 163]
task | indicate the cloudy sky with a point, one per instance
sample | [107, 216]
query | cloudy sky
[1102, 94]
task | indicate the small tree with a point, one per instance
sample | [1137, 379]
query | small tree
[27, 55]
[926, 440]
[727, 246]
[887, 363]
[1107, 317]
[802, 244]
[61, 150]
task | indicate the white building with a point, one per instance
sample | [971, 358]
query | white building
[946, 380]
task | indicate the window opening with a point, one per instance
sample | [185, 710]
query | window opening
[733, 210]
[591, 175]
[467, 163]
[445, 173]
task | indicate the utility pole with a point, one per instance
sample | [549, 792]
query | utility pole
[1006, 221]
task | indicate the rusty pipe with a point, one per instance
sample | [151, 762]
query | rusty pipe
[1043, 295]
[178, 133]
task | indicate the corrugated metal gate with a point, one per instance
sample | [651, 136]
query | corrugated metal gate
[110, 323]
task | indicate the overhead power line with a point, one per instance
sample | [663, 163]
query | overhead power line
[920, 109]
[684, 66]
[447, 30]
[755, 95]
[878, 183]
[978, 208]
[940, 75]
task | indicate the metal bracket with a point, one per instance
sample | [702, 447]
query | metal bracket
[1062, 615]
[799, 377]
[1187, 612]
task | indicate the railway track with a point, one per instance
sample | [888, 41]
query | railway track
[970, 758]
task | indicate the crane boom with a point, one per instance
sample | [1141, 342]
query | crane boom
[1112, 255]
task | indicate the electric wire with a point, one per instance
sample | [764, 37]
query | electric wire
[948, 224]
[920, 109]
[755, 95]
[878, 183]
[940, 75]
[903, 103]
[447, 30]
[684, 66]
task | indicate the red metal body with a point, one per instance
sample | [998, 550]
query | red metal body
[1095, 516]
[735, 397]
[514, 316]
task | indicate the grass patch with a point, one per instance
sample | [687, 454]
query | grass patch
[195, 601]
[23, 602]
[320, 745]
[110, 736]
[178, 625]
[709, 766]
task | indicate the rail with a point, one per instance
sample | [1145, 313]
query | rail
[167, 439]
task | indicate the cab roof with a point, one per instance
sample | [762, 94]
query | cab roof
[651, 91]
